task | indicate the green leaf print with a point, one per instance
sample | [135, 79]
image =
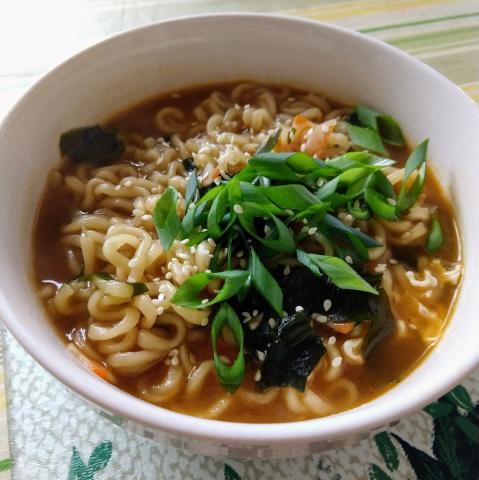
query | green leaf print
[387, 450]
[460, 397]
[100, 456]
[425, 467]
[377, 473]
[5, 464]
[439, 409]
[230, 473]
[469, 428]
[78, 470]
[98, 460]
[447, 446]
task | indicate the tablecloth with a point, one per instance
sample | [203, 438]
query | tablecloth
[55, 435]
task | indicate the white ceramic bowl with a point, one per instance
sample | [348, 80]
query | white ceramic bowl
[159, 58]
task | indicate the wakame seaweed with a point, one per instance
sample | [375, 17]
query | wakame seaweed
[95, 145]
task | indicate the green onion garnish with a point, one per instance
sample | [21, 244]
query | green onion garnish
[436, 238]
[165, 217]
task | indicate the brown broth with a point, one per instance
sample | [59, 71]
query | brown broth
[388, 364]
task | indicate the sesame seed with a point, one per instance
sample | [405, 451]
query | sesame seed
[161, 297]
[257, 376]
[240, 254]
[204, 322]
[303, 147]
[380, 268]
[185, 241]
[320, 182]
[261, 355]
[287, 270]
[169, 275]
[312, 230]
[175, 361]
[305, 221]
[299, 308]
[391, 201]
[207, 270]
[246, 315]
[322, 318]
[331, 340]
[204, 301]
[289, 211]
[146, 217]
[348, 259]
[393, 261]
[255, 312]
[272, 322]
[160, 311]
[327, 304]
[336, 362]
[428, 294]
[242, 263]
[238, 208]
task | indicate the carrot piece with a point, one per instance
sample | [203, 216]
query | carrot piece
[93, 366]
[343, 328]
[216, 173]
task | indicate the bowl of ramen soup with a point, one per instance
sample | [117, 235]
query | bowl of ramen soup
[250, 235]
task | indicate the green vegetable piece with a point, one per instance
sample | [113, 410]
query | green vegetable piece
[286, 166]
[384, 124]
[165, 217]
[230, 376]
[338, 271]
[359, 159]
[294, 197]
[358, 211]
[191, 188]
[380, 197]
[265, 283]
[270, 143]
[188, 294]
[416, 162]
[217, 212]
[436, 238]
[138, 288]
[94, 145]
[366, 138]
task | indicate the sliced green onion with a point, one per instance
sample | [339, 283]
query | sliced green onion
[436, 238]
[218, 210]
[380, 197]
[358, 211]
[165, 217]
[191, 188]
[332, 226]
[280, 238]
[286, 166]
[265, 283]
[384, 124]
[294, 197]
[338, 271]
[359, 159]
[366, 138]
[230, 376]
[416, 162]
[318, 210]
[108, 285]
[188, 294]
[270, 143]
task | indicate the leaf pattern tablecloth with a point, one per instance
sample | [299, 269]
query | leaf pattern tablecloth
[54, 435]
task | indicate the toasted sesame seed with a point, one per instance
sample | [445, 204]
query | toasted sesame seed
[289, 211]
[287, 270]
[257, 376]
[160, 311]
[261, 355]
[380, 268]
[169, 276]
[312, 230]
[175, 361]
[242, 263]
[393, 261]
[322, 318]
[391, 201]
[299, 308]
[336, 362]
[185, 241]
[204, 322]
[240, 254]
[211, 242]
[331, 340]
[327, 304]
[255, 312]
[272, 322]
[238, 208]
[305, 221]
[348, 259]
[204, 301]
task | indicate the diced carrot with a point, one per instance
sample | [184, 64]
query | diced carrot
[343, 328]
[93, 366]
[216, 173]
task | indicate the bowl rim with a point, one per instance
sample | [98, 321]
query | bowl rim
[329, 428]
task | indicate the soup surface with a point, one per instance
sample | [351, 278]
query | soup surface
[268, 222]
